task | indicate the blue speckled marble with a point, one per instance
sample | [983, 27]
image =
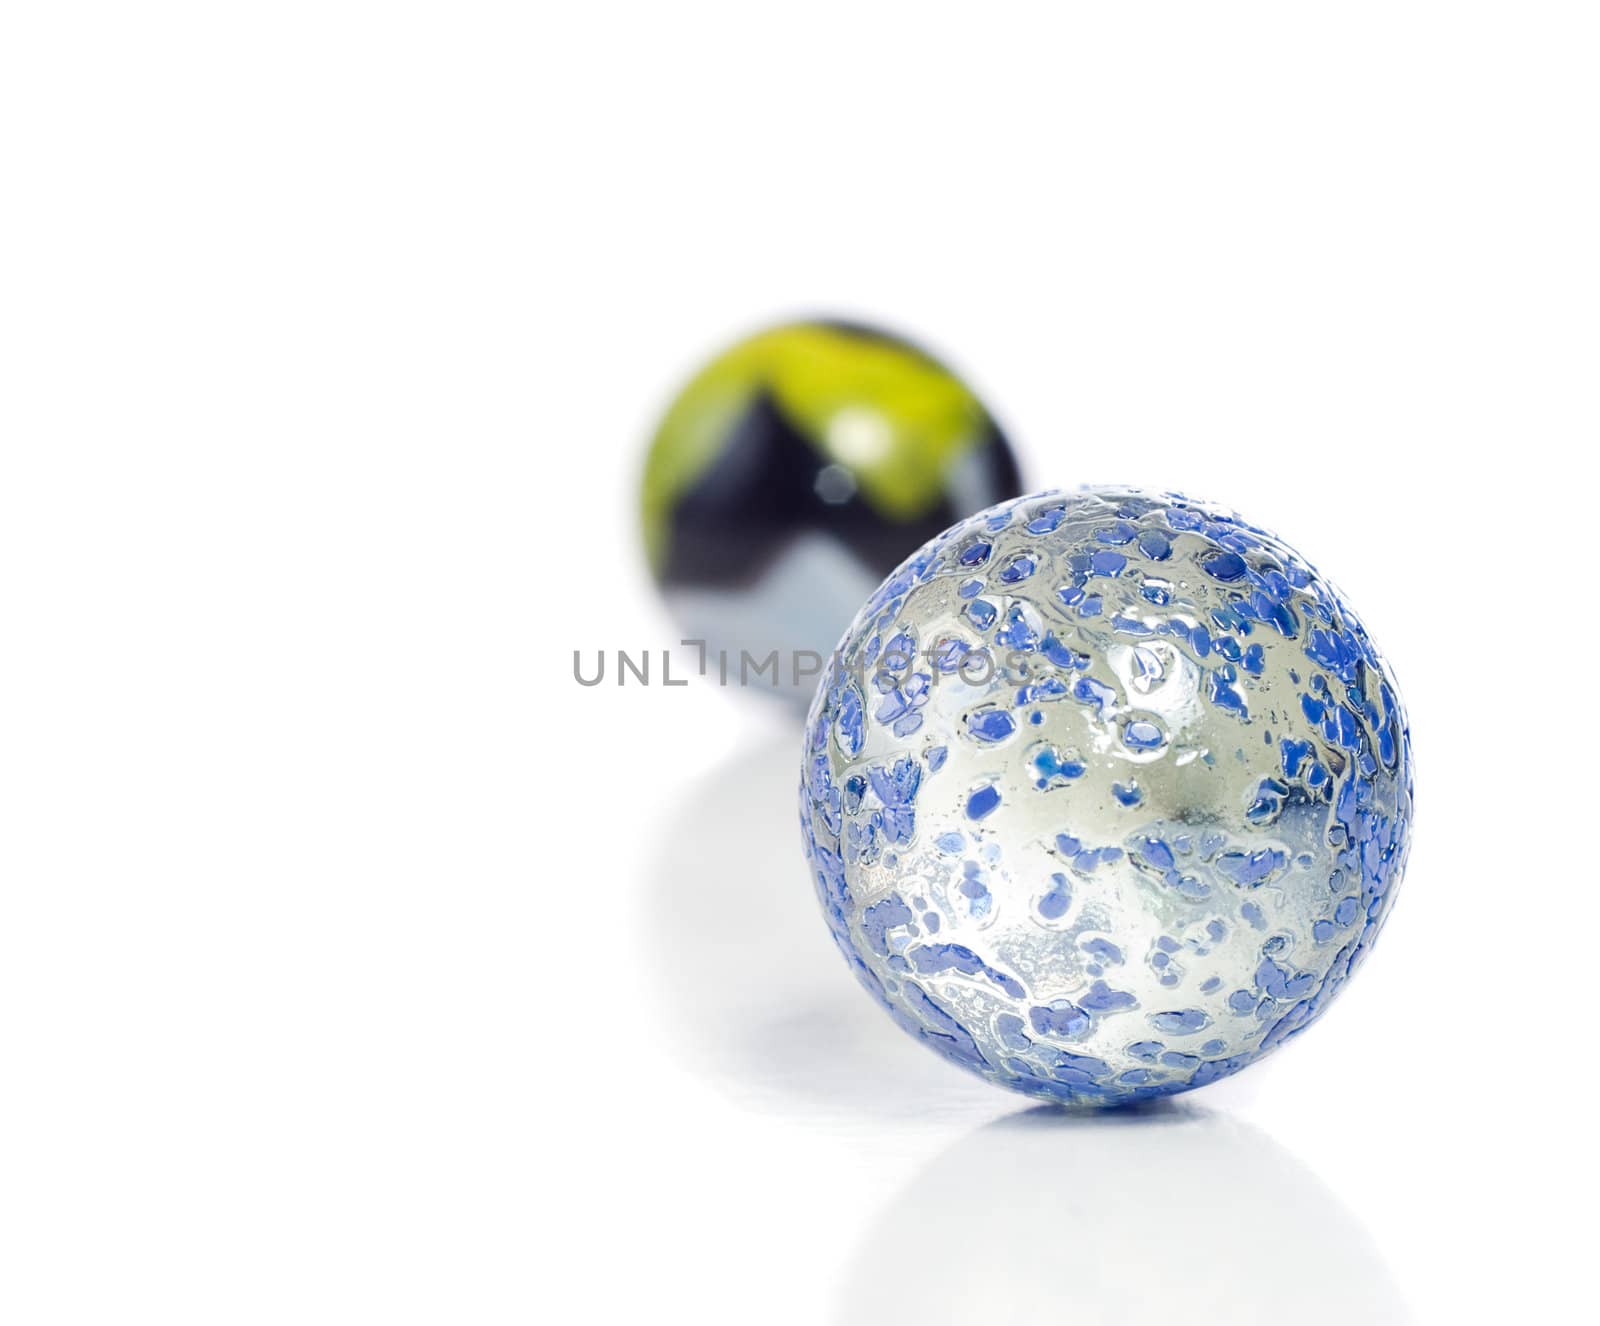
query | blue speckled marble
[1106, 794]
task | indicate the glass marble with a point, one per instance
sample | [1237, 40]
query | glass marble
[794, 471]
[1106, 794]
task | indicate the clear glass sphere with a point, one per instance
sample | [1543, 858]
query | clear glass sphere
[1105, 794]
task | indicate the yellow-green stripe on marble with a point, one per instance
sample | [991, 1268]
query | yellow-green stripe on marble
[897, 419]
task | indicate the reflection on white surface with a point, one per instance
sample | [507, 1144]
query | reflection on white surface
[753, 992]
[1169, 1214]
[1172, 1212]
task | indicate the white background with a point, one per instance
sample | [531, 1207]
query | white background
[356, 965]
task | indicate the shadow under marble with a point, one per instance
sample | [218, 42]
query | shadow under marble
[753, 992]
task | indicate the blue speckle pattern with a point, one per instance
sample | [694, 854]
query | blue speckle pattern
[1121, 804]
